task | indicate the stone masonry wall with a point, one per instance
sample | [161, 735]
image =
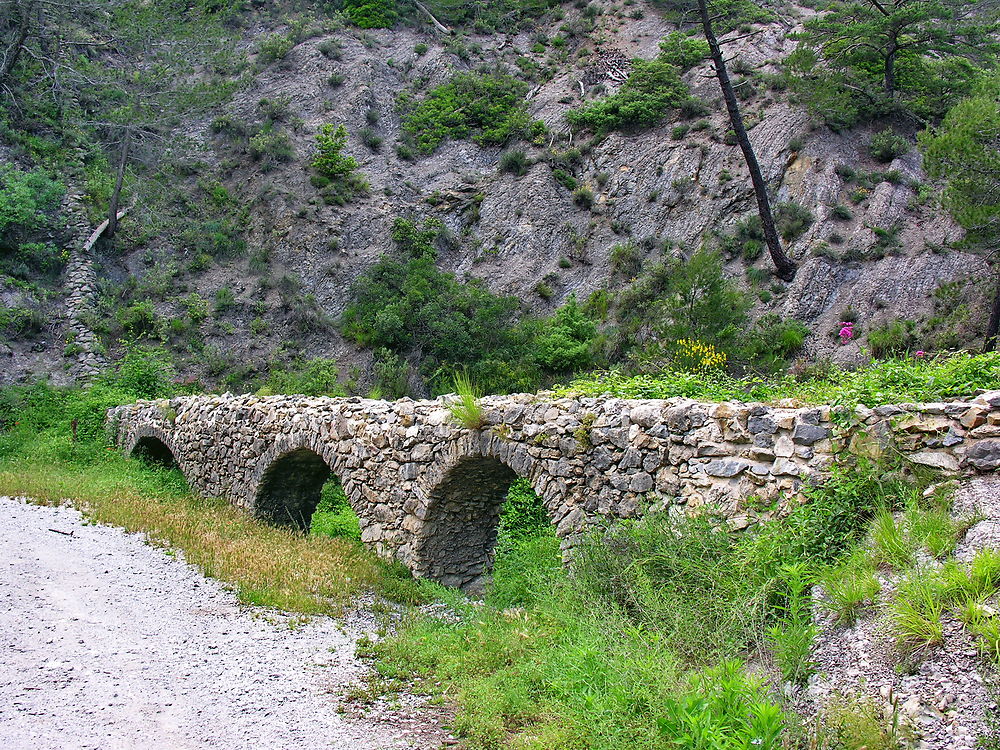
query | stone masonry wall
[428, 491]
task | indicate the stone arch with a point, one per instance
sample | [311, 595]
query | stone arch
[290, 479]
[152, 445]
[454, 545]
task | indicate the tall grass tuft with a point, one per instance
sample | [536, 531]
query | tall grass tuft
[465, 409]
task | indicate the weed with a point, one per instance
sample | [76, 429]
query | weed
[465, 408]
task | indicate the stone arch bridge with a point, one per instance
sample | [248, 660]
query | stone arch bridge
[428, 491]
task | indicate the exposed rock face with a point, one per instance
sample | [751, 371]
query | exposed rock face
[428, 491]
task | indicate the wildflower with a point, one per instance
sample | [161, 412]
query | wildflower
[846, 331]
[919, 353]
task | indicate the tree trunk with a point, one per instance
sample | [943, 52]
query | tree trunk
[20, 37]
[783, 265]
[993, 327]
[119, 179]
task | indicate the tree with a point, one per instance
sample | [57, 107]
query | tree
[965, 151]
[867, 58]
[784, 266]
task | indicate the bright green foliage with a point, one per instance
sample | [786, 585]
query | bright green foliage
[851, 587]
[683, 50]
[885, 382]
[886, 146]
[652, 90]
[566, 343]
[371, 14]
[791, 638]
[313, 377]
[25, 199]
[464, 407]
[863, 59]
[964, 151]
[488, 108]
[334, 515]
[329, 160]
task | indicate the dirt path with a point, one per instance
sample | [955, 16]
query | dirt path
[106, 642]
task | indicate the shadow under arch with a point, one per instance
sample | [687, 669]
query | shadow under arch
[459, 532]
[290, 488]
[153, 450]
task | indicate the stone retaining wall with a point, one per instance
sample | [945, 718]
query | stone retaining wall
[428, 491]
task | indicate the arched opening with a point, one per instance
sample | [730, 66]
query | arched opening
[154, 451]
[300, 491]
[459, 537]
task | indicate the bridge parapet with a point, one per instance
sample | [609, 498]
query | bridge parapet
[428, 491]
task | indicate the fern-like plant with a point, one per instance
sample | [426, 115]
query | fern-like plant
[465, 408]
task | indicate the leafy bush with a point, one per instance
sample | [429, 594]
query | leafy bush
[583, 196]
[488, 108]
[275, 47]
[371, 14]
[566, 342]
[683, 50]
[271, 146]
[626, 259]
[334, 516]
[792, 220]
[886, 146]
[515, 162]
[26, 198]
[891, 338]
[329, 161]
[653, 88]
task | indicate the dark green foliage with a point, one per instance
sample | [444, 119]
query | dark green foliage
[565, 179]
[26, 200]
[886, 146]
[490, 16]
[862, 60]
[583, 196]
[336, 176]
[842, 212]
[487, 108]
[653, 88]
[515, 162]
[892, 338]
[792, 220]
[626, 259]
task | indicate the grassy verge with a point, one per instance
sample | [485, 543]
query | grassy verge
[881, 382]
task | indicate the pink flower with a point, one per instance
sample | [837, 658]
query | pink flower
[846, 331]
[920, 353]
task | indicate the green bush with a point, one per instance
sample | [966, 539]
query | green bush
[334, 516]
[271, 146]
[487, 108]
[566, 343]
[275, 47]
[371, 14]
[886, 146]
[891, 338]
[792, 220]
[515, 162]
[653, 88]
[683, 50]
[26, 198]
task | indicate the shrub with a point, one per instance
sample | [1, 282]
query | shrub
[26, 198]
[420, 48]
[652, 89]
[371, 14]
[626, 259]
[891, 338]
[515, 162]
[312, 377]
[488, 108]
[275, 47]
[792, 220]
[565, 179]
[336, 79]
[544, 290]
[329, 161]
[583, 196]
[842, 212]
[270, 146]
[138, 319]
[683, 50]
[886, 146]
[370, 138]
[334, 516]
[331, 49]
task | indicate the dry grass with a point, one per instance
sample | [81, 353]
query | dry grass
[266, 565]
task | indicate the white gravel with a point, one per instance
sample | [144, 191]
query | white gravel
[107, 642]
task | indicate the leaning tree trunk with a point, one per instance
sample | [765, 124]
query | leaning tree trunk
[13, 52]
[116, 194]
[993, 326]
[783, 265]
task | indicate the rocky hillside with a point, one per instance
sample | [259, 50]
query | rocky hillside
[872, 243]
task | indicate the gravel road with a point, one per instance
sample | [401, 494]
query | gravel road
[107, 642]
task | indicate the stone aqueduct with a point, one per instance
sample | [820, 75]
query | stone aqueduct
[428, 491]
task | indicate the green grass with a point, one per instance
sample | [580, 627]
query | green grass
[884, 382]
